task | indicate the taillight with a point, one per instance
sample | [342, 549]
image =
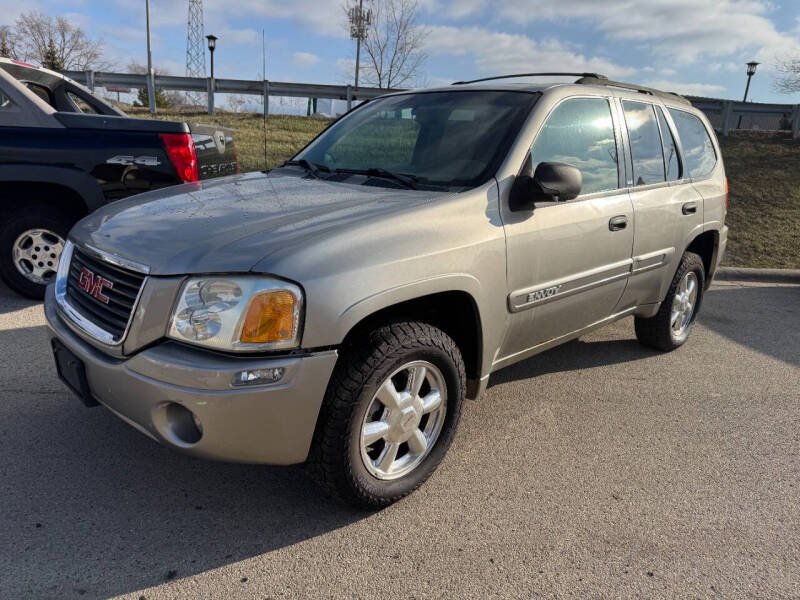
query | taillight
[181, 152]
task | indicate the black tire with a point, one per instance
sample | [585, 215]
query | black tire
[12, 225]
[657, 332]
[335, 460]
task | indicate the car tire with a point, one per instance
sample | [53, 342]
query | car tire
[53, 226]
[344, 459]
[672, 324]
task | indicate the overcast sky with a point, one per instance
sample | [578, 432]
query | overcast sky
[690, 46]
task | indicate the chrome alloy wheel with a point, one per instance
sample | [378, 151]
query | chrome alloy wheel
[36, 253]
[403, 420]
[683, 305]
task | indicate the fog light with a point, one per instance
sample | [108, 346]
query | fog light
[256, 376]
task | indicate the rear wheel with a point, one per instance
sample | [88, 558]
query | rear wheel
[389, 415]
[31, 241]
[670, 327]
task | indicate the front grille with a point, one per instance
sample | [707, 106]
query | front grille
[114, 316]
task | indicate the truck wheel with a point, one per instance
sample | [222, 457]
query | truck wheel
[670, 327]
[31, 241]
[389, 414]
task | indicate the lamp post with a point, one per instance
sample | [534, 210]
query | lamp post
[751, 70]
[212, 45]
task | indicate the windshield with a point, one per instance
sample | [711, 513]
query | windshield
[438, 139]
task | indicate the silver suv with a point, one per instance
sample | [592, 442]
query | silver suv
[337, 310]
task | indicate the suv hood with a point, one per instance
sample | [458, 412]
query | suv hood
[233, 223]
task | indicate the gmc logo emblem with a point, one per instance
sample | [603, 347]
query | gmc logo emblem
[94, 284]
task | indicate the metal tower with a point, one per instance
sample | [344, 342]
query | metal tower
[195, 48]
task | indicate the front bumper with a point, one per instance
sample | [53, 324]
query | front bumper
[271, 423]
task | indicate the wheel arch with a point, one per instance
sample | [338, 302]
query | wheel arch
[454, 311]
[706, 245]
[73, 191]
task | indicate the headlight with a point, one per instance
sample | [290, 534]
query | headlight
[238, 313]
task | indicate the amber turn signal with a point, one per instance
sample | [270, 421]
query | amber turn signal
[270, 318]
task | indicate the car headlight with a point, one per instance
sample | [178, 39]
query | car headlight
[238, 313]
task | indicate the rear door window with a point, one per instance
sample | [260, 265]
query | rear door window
[646, 150]
[696, 143]
[580, 132]
[671, 158]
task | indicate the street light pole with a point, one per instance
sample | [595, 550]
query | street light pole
[212, 45]
[751, 70]
[151, 90]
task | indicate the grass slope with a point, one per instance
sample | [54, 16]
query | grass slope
[763, 174]
[764, 203]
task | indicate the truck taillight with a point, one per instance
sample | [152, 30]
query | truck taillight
[181, 152]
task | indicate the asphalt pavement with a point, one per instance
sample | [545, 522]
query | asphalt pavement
[598, 469]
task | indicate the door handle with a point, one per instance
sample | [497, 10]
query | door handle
[689, 208]
[617, 223]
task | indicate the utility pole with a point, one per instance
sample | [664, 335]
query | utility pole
[359, 21]
[151, 86]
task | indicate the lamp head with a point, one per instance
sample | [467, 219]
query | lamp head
[751, 67]
[212, 42]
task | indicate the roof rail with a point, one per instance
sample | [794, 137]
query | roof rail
[590, 80]
[595, 76]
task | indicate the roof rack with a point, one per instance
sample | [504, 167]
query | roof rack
[581, 75]
[590, 80]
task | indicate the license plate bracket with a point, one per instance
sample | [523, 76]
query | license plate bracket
[72, 372]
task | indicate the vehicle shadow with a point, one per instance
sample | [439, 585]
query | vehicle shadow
[85, 494]
[574, 356]
[11, 301]
[763, 318]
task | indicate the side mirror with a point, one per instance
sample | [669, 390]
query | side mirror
[552, 181]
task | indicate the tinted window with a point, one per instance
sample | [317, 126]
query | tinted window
[580, 132]
[453, 139]
[5, 102]
[671, 160]
[646, 151]
[82, 105]
[697, 147]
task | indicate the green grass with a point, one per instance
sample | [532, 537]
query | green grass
[286, 134]
[763, 174]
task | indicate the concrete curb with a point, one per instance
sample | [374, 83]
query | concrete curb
[762, 275]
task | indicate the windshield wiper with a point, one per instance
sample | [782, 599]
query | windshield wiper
[312, 168]
[409, 181]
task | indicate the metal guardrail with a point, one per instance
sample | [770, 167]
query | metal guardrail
[92, 79]
[727, 115]
[724, 115]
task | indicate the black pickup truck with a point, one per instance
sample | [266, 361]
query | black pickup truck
[64, 152]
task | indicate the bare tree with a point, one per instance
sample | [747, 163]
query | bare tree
[236, 103]
[394, 44]
[789, 83]
[35, 33]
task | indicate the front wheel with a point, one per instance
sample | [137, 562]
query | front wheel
[389, 415]
[670, 327]
[31, 241]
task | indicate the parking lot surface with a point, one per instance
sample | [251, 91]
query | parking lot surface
[598, 469]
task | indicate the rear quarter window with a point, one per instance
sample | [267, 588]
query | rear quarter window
[698, 150]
